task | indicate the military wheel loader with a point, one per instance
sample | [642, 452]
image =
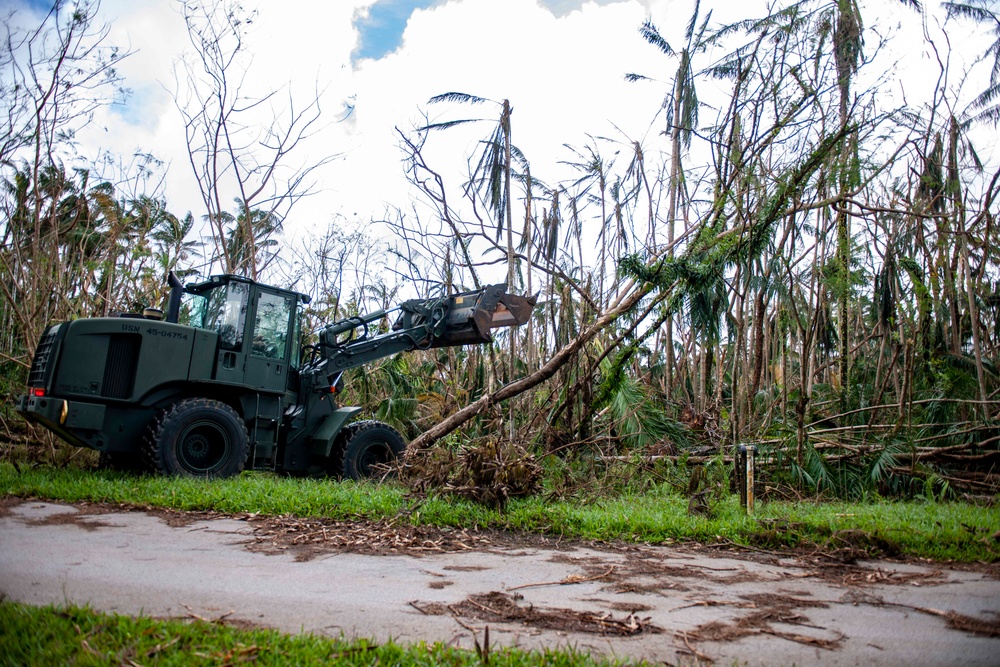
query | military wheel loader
[221, 382]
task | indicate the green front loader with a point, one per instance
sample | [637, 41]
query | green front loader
[222, 383]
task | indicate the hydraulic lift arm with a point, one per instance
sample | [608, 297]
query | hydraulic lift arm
[459, 319]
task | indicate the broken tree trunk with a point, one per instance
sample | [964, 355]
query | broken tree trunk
[443, 428]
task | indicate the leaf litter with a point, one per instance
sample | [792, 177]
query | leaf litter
[500, 607]
[640, 570]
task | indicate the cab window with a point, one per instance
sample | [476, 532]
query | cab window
[270, 331]
[224, 310]
[296, 359]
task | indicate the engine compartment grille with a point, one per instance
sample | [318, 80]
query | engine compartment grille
[40, 363]
[120, 369]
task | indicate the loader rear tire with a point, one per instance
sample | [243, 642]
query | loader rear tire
[369, 446]
[198, 437]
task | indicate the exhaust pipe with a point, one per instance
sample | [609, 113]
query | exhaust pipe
[174, 303]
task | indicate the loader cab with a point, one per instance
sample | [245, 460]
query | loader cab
[257, 326]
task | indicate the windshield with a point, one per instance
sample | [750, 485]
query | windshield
[221, 309]
[192, 313]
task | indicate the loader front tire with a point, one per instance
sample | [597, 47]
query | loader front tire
[198, 437]
[368, 446]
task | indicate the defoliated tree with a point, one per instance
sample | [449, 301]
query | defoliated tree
[682, 121]
[984, 12]
[239, 141]
[491, 177]
[54, 76]
[682, 106]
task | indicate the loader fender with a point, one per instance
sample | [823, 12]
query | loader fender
[321, 441]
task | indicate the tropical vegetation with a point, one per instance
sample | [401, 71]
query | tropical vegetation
[807, 264]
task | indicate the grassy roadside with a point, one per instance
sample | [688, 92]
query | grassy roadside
[79, 636]
[939, 531]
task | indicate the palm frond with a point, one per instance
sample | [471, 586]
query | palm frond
[880, 467]
[969, 10]
[991, 115]
[689, 31]
[790, 18]
[461, 98]
[980, 11]
[818, 469]
[447, 124]
[699, 43]
[987, 97]
[650, 33]
[640, 421]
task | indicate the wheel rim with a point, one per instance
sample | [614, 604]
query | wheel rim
[203, 447]
[375, 454]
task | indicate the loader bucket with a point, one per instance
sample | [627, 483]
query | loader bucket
[467, 318]
[513, 310]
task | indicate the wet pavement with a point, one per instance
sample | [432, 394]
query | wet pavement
[665, 604]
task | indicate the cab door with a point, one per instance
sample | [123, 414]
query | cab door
[227, 313]
[270, 342]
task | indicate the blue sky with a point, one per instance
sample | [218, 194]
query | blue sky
[380, 31]
[39, 5]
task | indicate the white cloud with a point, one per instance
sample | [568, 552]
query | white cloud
[300, 47]
[561, 63]
[563, 75]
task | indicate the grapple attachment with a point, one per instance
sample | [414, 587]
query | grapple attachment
[466, 318]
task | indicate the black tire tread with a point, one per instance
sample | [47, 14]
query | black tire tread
[354, 430]
[335, 465]
[151, 450]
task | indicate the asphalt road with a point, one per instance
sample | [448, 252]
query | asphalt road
[671, 604]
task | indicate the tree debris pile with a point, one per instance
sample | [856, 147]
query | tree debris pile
[766, 611]
[498, 607]
[490, 472]
[308, 538]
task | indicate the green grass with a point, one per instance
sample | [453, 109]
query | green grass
[937, 530]
[79, 636]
